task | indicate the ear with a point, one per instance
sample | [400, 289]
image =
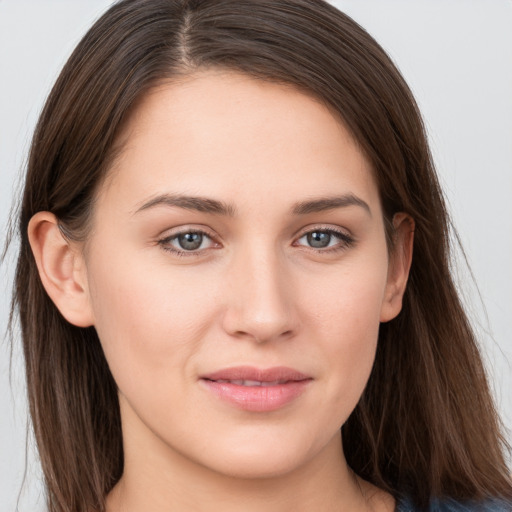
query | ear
[61, 269]
[399, 266]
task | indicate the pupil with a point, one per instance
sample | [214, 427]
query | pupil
[318, 239]
[190, 241]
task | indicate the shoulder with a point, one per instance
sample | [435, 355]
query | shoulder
[491, 505]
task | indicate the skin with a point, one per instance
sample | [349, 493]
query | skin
[255, 293]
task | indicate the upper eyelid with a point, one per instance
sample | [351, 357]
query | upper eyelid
[298, 234]
[333, 231]
[321, 227]
[170, 233]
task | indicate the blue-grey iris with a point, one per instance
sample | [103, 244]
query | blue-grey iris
[190, 241]
[318, 239]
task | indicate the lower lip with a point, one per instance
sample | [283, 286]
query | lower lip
[258, 398]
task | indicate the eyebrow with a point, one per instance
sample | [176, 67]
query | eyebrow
[214, 206]
[199, 204]
[330, 203]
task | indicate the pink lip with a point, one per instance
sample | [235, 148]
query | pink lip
[287, 384]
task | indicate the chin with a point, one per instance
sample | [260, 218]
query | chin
[259, 459]
[256, 466]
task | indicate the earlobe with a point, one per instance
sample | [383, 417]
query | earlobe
[399, 265]
[61, 269]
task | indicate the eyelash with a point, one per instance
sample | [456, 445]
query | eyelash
[346, 241]
[164, 242]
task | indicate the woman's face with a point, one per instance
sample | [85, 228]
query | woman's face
[237, 273]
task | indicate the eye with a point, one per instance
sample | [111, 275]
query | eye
[191, 241]
[325, 239]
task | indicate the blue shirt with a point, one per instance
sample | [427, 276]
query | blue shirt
[457, 506]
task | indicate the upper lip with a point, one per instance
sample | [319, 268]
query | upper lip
[278, 373]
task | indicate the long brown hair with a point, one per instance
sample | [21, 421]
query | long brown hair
[426, 425]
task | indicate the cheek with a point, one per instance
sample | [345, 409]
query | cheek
[346, 320]
[348, 301]
[146, 319]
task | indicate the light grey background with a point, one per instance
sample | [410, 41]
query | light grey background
[456, 56]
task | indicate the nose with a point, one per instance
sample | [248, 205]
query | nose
[260, 298]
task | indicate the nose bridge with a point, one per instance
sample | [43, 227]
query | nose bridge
[260, 303]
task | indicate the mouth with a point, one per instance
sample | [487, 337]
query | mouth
[257, 390]
[251, 382]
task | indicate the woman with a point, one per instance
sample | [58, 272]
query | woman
[216, 275]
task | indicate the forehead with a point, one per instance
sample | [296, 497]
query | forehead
[221, 133]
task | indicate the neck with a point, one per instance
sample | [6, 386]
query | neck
[161, 479]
